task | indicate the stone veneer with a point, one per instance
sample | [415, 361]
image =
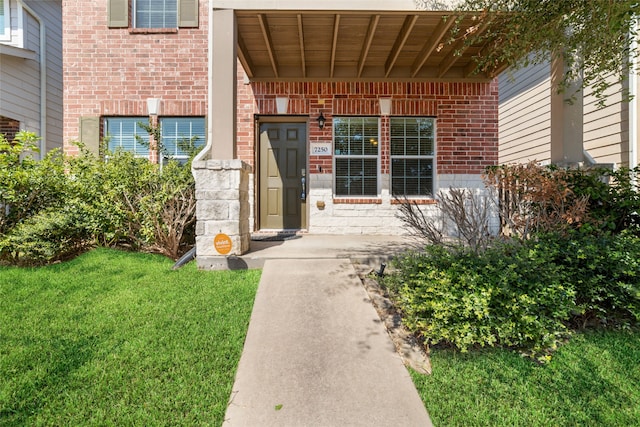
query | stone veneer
[222, 192]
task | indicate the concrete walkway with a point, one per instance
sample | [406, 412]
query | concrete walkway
[316, 353]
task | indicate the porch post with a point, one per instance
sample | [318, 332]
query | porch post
[566, 119]
[223, 84]
[222, 181]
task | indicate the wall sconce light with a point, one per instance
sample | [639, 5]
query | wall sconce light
[282, 104]
[321, 120]
[385, 106]
[153, 104]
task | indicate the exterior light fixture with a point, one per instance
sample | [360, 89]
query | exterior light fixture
[385, 106]
[282, 104]
[153, 104]
[321, 121]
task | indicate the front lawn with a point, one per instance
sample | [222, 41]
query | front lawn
[116, 338]
[594, 380]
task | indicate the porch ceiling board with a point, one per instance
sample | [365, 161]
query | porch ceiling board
[304, 45]
[371, 31]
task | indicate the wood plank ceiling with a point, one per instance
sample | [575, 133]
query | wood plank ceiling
[347, 46]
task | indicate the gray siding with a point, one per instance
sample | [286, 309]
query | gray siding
[20, 89]
[524, 115]
[51, 12]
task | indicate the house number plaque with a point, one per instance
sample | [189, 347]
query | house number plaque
[320, 148]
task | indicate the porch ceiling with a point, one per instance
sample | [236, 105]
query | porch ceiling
[278, 45]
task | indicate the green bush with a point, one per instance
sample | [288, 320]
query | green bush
[51, 208]
[522, 295]
[614, 201]
[604, 270]
[509, 295]
[28, 185]
[137, 204]
[47, 236]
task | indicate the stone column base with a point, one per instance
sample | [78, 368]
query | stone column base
[222, 211]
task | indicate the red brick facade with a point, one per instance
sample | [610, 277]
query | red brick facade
[466, 113]
[112, 71]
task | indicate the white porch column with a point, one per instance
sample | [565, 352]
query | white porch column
[566, 119]
[223, 84]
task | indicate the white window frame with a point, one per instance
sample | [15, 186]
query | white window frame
[5, 29]
[137, 131]
[135, 15]
[200, 142]
[418, 156]
[337, 156]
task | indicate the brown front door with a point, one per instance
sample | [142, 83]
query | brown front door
[283, 159]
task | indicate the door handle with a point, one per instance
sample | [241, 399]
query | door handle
[303, 194]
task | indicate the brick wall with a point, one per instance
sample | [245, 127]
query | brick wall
[112, 71]
[9, 127]
[466, 113]
[467, 141]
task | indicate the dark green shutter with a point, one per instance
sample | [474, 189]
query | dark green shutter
[187, 13]
[90, 133]
[118, 13]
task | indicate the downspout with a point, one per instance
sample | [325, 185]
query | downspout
[633, 105]
[43, 78]
[204, 153]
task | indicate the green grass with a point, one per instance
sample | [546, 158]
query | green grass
[594, 380]
[115, 338]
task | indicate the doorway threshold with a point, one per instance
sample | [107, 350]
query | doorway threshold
[276, 235]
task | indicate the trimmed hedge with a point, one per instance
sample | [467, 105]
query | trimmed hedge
[524, 295]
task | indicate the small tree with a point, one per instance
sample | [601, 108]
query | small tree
[593, 37]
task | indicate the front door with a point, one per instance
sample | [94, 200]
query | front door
[283, 187]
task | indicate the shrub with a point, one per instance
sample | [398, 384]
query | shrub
[509, 295]
[605, 272]
[54, 207]
[536, 199]
[520, 294]
[45, 237]
[137, 204]
[26, 185]
[614, 201]
[461, 212]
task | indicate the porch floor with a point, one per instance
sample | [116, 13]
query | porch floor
[360, 249]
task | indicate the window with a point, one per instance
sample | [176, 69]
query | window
[181, 135]
[356, 156]
[155, 13]
[412, 156]
[152, 14]
[122, 131]
[5, 20]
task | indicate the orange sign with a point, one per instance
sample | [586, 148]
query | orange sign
[222, 243]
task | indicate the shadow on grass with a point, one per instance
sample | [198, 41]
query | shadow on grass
[55, 366]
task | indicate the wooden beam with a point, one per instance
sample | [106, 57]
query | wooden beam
[334, 44]
[245, 59]
[432, 44]
[301, 40]
[371, 31]
[264, 27]
[407, 26]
